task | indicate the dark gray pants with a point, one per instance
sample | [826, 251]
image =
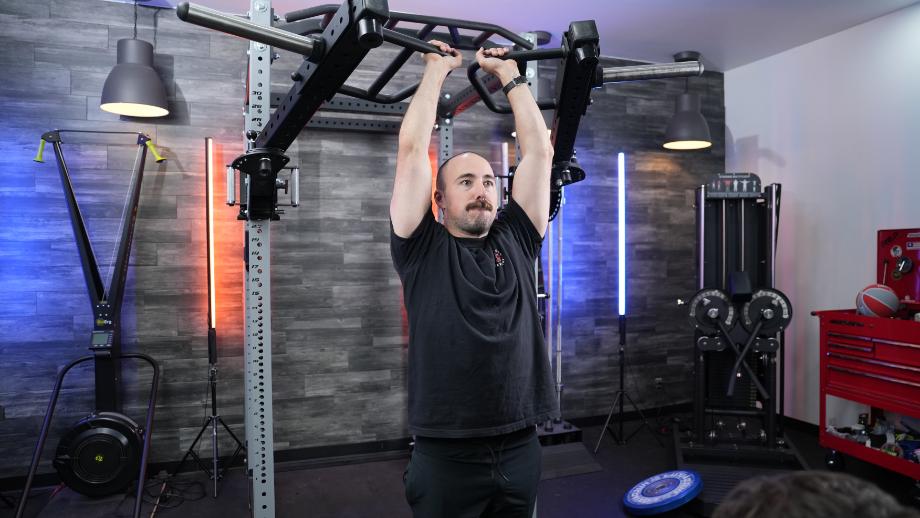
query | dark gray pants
[473, 478]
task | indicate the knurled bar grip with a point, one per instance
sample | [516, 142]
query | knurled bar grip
[653, 71]
[213, 19]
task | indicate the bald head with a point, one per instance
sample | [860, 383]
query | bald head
[466, 194]
[464, 160]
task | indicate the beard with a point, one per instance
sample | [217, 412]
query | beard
[477, 218]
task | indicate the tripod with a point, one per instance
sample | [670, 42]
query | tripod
[621, 397]
[214, 472]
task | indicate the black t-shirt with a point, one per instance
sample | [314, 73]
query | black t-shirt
[478, 363]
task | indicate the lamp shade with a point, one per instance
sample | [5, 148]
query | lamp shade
[133, 87]
[688, 129]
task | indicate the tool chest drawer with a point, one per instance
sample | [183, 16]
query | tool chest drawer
[875, 362]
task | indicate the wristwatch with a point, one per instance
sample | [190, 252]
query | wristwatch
[519, 80]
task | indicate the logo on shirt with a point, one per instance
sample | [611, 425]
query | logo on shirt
[499, 258]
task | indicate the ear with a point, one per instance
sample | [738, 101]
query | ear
[439, 199]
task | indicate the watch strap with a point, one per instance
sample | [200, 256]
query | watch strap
[519, 80]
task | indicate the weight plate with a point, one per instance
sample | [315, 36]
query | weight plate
[707, 303]
[663, 492]
[769, 306]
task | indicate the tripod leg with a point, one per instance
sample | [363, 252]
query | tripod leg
[238, 443]
[644, 422]
[215, 473]
[607, 422]
[191, 450]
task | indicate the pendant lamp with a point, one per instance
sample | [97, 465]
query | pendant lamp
[133, 87]
[688, 128]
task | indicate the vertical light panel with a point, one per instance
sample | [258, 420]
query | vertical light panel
[621, 231]
[209, 209]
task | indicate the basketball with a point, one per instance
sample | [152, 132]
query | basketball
[877, 300]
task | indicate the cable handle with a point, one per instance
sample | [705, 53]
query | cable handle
[153, 151]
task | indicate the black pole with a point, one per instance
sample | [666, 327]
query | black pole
[148, 428]
[622, 322]
[782, 382]
[212, 363]
[769, 407]
[620, 401]
[699, 401]
[94, 286]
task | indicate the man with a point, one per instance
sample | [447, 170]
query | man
[810, 494]
[479, 377]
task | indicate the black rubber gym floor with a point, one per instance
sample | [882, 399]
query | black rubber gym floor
[374, 489]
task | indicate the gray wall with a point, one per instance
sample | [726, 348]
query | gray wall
[339, 330]
[660, 244]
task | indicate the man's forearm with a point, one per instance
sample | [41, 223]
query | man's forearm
[415, 130]
[528, 121]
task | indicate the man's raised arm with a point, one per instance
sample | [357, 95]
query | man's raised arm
[412, 187]
[531, 177]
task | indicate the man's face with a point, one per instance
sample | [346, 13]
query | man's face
[468, 195]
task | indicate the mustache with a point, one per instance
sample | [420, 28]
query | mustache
[479, 204]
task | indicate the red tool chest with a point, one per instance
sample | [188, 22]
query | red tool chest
[873, 361]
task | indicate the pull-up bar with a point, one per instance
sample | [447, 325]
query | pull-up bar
[487, 30]
[337, 41]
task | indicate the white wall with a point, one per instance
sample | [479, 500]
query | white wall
[837, 123]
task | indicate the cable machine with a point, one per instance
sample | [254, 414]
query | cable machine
[334, 40]
[738, 319]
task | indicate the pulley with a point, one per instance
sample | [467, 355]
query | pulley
[769, 307]
[709, 307]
